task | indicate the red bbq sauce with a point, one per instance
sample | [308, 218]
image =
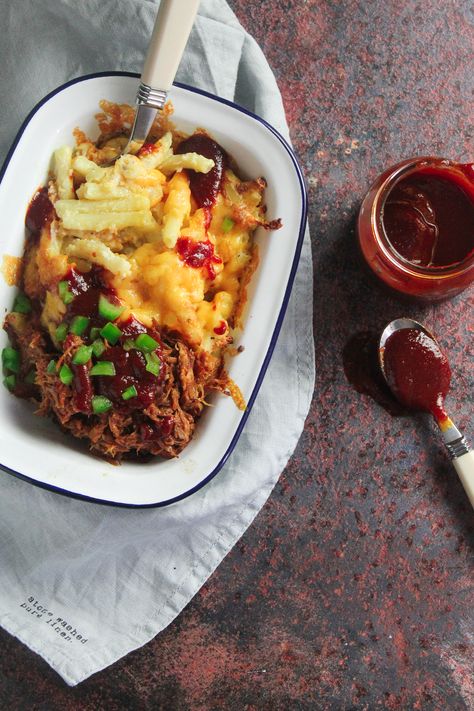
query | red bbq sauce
[417, 371]
[147, 149]
[198, 254]
[40, 212]
[130, 365]
[131, 328]
[83, 390]
[220, 329]
[429, 219]
[130, 370]
[205, 187]
[416, 228]
[162, 428]
[86, 288]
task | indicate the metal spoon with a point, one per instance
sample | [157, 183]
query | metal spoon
[171, 32]
[458, 448]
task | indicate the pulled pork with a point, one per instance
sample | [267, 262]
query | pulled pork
[163, 428]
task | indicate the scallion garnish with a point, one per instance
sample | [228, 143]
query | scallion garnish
[79, 325]
[129, 344]
[61, 332]
[111, 333]
[9, 382]
[98, 347]
[146, 343]
[103, 367]
[129, 393]
[11, 359]
[66, 295]
[66, 376]
[22, 304]
[108, 310]
[227, 224]
[100, 404]
[153, 363]
[51, 367]
[82, 355]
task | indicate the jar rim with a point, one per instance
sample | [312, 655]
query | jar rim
[399, 171]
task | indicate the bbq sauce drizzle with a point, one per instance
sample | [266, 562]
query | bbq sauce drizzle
[86, 288]
[129, 363]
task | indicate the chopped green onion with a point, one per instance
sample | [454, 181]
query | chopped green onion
[79, 325]
[22, 304]
[11, 359]
[111, 333]
[82, 355]
[98, 347]
[64, 293]
[227, 224]
[103, 367]
[51, 367]
[129, 393]
[129, 344]
[108, 310]
[153, 363]
[95, 333]
[9, 382]
[66, 376]
[61, 332]
[145, 343]
[100, 404]
[31, 377]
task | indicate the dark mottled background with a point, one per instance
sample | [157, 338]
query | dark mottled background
[353, 587]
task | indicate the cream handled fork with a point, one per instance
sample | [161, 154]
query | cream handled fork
[171, 31]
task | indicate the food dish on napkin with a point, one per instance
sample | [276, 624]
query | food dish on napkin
[35, 448]
[134, 278]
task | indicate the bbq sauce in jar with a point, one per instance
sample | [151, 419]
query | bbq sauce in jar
[416, 228]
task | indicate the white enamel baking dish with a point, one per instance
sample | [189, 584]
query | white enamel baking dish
[33, 447]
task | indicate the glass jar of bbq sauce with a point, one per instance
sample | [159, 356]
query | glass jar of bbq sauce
[416, 228]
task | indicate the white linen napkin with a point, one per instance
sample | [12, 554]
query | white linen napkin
[70, 571]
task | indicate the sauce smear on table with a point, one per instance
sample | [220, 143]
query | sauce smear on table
[360, 359]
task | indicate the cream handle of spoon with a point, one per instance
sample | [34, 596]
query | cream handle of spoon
[171, 31]
[464, 466]
[461, 453]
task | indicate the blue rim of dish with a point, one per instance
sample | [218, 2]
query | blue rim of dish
[281, 315]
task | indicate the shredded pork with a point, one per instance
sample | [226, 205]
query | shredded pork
[164, 428]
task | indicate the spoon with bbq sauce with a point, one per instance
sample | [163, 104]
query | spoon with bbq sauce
[418, 374]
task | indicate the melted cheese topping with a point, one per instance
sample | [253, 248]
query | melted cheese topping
[130, 217]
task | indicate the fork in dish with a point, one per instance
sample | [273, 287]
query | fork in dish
[170, 34]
